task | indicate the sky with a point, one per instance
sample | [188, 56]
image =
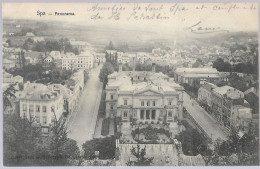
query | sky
[179, 16]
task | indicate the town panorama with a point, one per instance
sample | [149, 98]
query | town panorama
[103, 96]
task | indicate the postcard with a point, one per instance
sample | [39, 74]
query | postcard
[130, 84]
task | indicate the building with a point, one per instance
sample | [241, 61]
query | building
[69, 61]
[204, 94]
[69, 101]
[100, 57]
[189, 75]
[229, 105]
[10, 79]
[80, 45]
[145, 96]
[55, 55]
[38, 39]
[76, 84]
[40, 104]
[29, 34]
[8, 64]
[48, 60]
[85, 60]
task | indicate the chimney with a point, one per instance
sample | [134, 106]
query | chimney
[120, 68]
[153, 67]
[133, 63]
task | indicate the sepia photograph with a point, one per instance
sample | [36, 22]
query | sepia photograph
[130, 84]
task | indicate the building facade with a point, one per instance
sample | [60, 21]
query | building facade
[100, 57]
[144, 96]
[229, 107]
[85, 60]
[69, 61]
[189, 75]
[204, 94]
[40, 105]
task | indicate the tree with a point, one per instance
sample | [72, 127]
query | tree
[105, 71]
[106, 147]
[218, 64]
[8, 94]
[19, 138]
[9, 42]
[235, 150]
[141, 160]
[191, 139]
[110, 46]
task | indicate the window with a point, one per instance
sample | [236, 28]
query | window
[111, 107]
[44, 109]
[125, 114]
[142, 114]
[142, 103]
[170, 114]
[147, 114]
[24, 107]
[153, 114]
[31, 109]
[169, 102]
[45, 130]
[153, 103]
[44, 119]
[125, 102]
[148, 103]
[37, 118]
[112, 97]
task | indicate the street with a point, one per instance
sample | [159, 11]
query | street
[206, 122]
[82, 124]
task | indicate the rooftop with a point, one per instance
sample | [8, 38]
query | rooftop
[196, 70]
[37, 91]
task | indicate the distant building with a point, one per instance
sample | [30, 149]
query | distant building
[8, 64]
[40, 105]
[55, 55]
[189, 75]
[48, 60]
[100, 57]
[85, 60]
[80, 45]
[38, 39]
[29, 34]
[10, 79]
[69, 61]
[142, 57]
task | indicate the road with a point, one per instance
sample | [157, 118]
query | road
[206, 122]
[81, 126]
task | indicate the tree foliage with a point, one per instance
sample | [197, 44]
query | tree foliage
[240, 151]
[24, 144]
[141, 160]
[191, 139]
[106, 147]
[105, 71]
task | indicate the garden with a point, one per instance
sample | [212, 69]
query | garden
[151, 135]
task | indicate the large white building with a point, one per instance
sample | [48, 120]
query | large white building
[85, 60]
[145, 96]
[40, 104]
[69, 61]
